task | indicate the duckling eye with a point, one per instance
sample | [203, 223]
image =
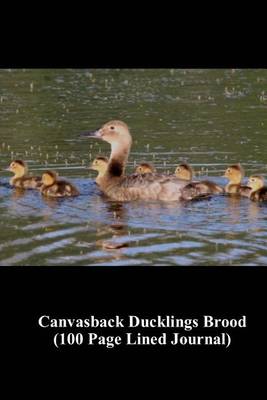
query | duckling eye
[112, 127]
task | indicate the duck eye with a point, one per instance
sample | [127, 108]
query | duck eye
[112, 127]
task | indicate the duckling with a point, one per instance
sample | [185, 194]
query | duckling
[145, 168]
[21, 179]
[235, 173]
[258, 190]
[148, 187]
[53, 187]
[100, 164]
[186, 172]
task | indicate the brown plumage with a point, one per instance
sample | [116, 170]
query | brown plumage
[53, 187]
[186, 172]
[21, 179]
[149, 186]
[235, 173]
[258, 190]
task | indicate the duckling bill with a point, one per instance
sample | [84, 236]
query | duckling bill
[119, 187]
[53, 187]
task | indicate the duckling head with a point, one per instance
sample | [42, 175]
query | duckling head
[99, 164]
[184, 171]
[18, 167]
[235, 173]
[144, 168]
[256, 182]
[114, 132]
[49, 178]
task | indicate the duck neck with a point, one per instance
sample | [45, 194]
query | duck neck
[118, 159]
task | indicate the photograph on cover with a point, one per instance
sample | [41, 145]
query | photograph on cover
[133, 167]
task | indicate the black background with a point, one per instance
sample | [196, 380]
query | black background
[186, 292]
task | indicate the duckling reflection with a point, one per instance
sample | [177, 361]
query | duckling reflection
[21, 179]
[258, 189]
[186, 172]
[17, 193]
[235, 173]
[253, 211]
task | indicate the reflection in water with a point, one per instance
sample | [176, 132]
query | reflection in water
[17, 193]
[253, 211]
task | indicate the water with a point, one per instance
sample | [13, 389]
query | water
[210, 118]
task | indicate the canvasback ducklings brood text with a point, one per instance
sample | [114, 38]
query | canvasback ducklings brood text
[149, 187]
[53, 187]
[259, 191]
[186, 172]
[145, 168]
[235, 173]
[21, 179]
[100, 164]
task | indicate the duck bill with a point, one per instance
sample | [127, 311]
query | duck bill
[93, 134]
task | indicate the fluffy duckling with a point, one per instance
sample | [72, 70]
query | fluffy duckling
[258, 190]
[149, 187]
[53, 187]
[145, 168]
[186, 172]
[235, 173]
[21, 179]
[100, 164]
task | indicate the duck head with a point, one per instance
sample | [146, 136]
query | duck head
[235, 173]
[184, 171]
[256, 182]
[49, 178]
[18, 167]
[116, 133]
[100, 164]
[144, 168]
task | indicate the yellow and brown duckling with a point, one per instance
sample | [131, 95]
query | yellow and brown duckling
[186, 172]
[100, 164]
[235, 173]
[21, 179]
[149, 187]
[53, 187]
[258, 190]
[145, 168]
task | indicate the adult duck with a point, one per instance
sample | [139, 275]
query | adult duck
[148, 187]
